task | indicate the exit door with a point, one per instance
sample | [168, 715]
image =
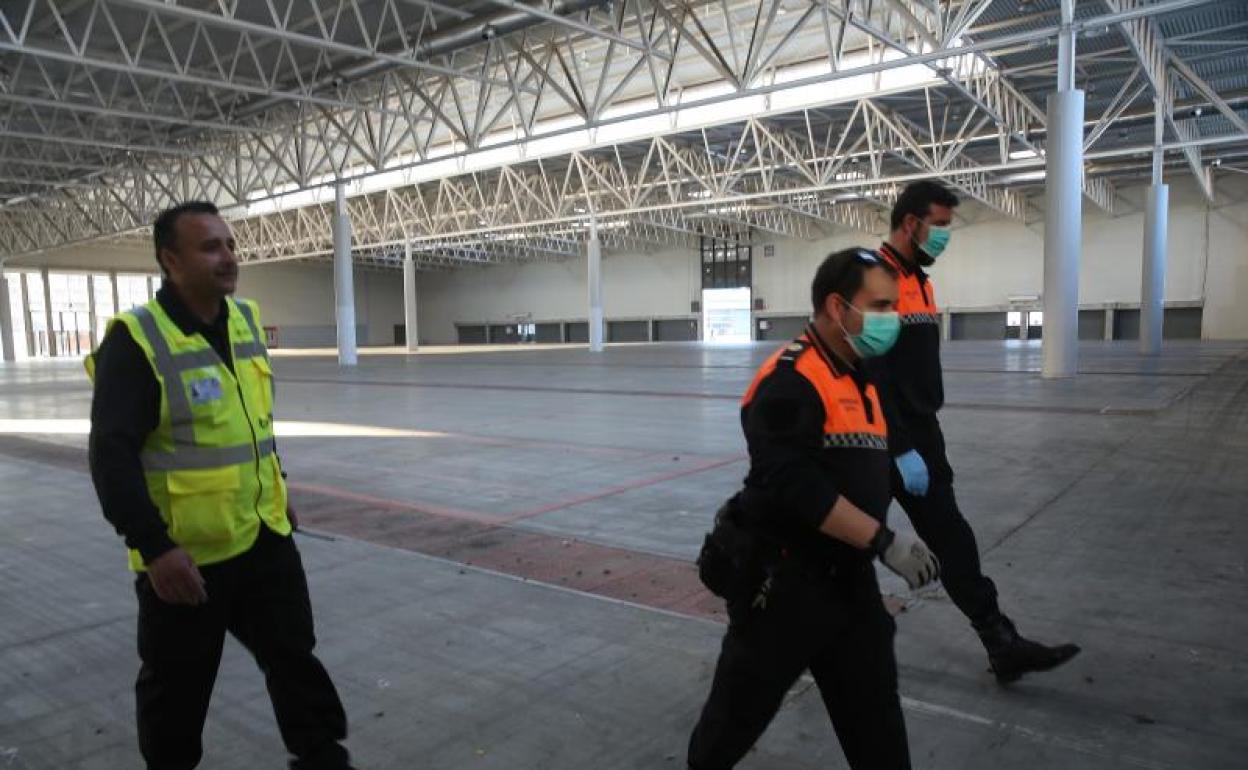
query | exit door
[726, 315]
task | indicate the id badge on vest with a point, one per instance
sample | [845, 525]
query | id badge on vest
[205, 390]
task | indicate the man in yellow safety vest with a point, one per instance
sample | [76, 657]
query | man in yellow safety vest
[184, 463]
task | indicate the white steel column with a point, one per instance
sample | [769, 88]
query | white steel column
[47, 311]
[30, 331]
[1156, 211]
[112, 281]
[344, 280]
[410, 320]
[594, 250]
[1063, 211]
[91, 315]
[1066, 48]
[7, 350]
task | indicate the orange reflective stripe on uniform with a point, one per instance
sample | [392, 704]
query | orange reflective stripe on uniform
[916, 300]
[852, 417]
[791, 352]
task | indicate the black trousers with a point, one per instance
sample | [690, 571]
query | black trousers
[840, 631]
[261, 597]
[940, 524]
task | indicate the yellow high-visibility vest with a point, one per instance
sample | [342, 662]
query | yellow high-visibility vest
[210, 464]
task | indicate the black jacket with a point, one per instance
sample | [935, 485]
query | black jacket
[795, 477]
[909, 377]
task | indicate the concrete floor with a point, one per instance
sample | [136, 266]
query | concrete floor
[500, 556]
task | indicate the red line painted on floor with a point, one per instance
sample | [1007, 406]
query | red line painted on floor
[394, 505]
[417, 506]
[656, 581]
[514, 388]
[639, 484]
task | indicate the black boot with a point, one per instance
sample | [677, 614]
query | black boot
[1011, 655]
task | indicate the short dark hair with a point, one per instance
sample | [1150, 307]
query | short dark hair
[165, 228]
[917, 198]
[843, 273]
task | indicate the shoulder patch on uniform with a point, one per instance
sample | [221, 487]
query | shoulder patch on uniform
[792, 352]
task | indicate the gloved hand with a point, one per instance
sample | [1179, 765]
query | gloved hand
[913, 471]
[906, 555]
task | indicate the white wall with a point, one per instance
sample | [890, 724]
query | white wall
[1226, 281]
[634, 285]
[990, 259]
[299, 300]
[379, 303]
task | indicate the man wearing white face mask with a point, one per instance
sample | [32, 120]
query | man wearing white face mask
[802, 592]
[912, 392]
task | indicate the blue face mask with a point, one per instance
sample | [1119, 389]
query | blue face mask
[936, 241]
[879, 333]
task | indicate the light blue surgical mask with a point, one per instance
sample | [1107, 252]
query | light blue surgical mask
[936, 241]
[879, 332]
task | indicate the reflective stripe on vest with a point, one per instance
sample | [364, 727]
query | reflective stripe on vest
[916, 299]
[849, 423]
[256, 346]
[195, 457]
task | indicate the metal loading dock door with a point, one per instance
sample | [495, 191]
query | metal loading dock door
[978, 326]
[1182, 323]
[578, 331]
[1091, 324]
[628, 331]
[675, 330]
[471, 335]
[1127, 325]
[549, 333]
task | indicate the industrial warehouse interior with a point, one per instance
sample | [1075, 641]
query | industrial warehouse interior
[519, 268]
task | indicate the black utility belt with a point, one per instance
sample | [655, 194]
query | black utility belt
[736, 559]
